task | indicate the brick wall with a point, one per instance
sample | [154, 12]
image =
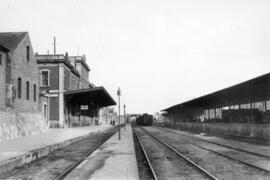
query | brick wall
[27, 71]
[54, 108]
[84, 84]
[71, 81]
[84, 81]
[67, 79]
[84, 73]
[74, 82]
[54, 76]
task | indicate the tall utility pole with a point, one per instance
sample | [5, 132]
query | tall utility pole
[125, 116]
[119, 94]
[54, 45]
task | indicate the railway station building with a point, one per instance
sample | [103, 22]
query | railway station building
[38, 91]
[20, 113]
[19, 86]
[71, 99]
[243, 109]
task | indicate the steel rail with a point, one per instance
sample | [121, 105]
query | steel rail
[75, 164]
[146, 156]
[208, 174]
[226, 156]
[227, 146]
[221, 154]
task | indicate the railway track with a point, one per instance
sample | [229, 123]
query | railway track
[152, 171]
[260, 166]
[227, 146]
[60, 163]
[174, 165]
[75, 164]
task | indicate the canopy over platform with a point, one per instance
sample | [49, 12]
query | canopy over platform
[97, 96]
[257, 89]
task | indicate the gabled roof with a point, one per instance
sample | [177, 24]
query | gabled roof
[11, 40]
[91, 85]
[84, 64]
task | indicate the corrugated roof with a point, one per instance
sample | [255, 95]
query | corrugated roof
[98, 95]
[11, 40]
[255, 89]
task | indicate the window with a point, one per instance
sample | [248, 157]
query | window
[0, 59]
[19, 88]
[27, 90]
[27, 53]
[45, 78]
[35, 92]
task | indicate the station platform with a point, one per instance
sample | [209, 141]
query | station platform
[115, 159]
[28, 148]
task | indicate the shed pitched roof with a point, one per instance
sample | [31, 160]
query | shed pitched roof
[11, 40]
[255, 89]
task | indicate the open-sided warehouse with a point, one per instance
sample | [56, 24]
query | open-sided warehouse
[241, 109]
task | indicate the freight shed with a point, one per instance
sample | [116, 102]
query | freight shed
[236, 110]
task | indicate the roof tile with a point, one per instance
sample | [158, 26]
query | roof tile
[11, 40]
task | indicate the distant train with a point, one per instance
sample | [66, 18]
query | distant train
[145, 120]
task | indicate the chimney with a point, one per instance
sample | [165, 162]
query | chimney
[83, 58]
[54, 45]
[66, 55]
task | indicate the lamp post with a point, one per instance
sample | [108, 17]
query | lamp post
[125, 116]
[119, 94]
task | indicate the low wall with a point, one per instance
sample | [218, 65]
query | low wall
[82, 121]
[75, 121]
[54, 124]
[256, 131]
[16, 124]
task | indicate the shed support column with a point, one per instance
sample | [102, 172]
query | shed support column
[240, 111]
[220, 112]
[250, 113]
[215, 114]
[209, 117]
[202, 115]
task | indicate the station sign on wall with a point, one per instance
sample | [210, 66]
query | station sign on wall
[84, 107]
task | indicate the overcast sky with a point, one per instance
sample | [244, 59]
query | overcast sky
[160, 52]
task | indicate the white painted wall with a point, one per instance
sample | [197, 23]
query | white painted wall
[61, 96]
